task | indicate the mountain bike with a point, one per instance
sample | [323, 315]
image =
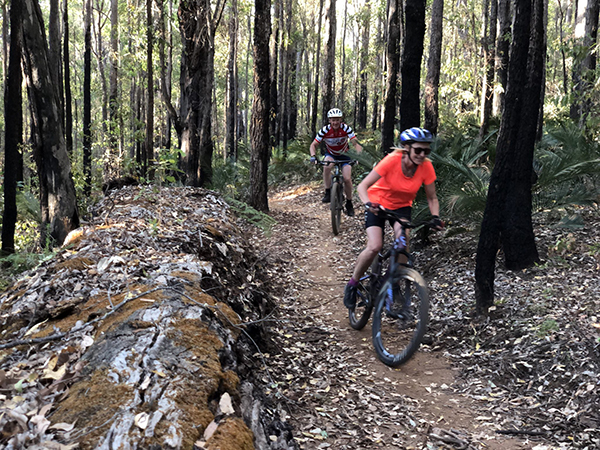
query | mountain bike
[399, 297]
[337, 192]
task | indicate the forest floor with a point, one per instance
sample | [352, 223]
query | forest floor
[527, 377]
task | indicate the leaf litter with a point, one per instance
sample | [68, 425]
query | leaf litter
[529, 373]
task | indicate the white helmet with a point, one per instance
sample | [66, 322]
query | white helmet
[335, 112]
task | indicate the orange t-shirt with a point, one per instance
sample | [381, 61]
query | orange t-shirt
[394, 189]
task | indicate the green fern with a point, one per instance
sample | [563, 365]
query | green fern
[257, 218]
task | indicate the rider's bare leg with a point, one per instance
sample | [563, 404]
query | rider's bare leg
[347, 174]
[366, 257]
[327, 173]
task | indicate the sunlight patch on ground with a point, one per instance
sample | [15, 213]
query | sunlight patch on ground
[292, 193]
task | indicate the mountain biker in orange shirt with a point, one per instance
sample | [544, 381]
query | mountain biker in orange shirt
[393, 184]
[336, 136]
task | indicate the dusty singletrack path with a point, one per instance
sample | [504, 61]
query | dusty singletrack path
[340, 396]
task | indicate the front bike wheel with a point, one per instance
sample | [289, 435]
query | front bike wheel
[336, 206]
[359, 316]
[401, 316]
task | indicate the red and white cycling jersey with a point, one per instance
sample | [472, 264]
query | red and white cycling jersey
[336, 141]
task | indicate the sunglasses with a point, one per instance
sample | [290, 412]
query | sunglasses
[419, 150]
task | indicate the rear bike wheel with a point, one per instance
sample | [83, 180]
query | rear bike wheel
[401, 316]
[336, 206]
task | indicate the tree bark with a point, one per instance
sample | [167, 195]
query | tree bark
[231, 109]
[259, 127]
[364, 55]
[584, 59]
[198, 23]
[57, 191]
[393, 66]
[487, 86]
[113, 94]
[87, 99]
[410, 103]
[54, 56]
[150, 100]
[507, 217]
[13, 134]
[329, 67]
[274, 106]
[67, 72]
[432, 81]
[317, 69]
[502, 54]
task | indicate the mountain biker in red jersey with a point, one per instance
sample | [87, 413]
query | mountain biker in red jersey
[393, 184]
[336, 136]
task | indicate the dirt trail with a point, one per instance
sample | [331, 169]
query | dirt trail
[362, 403]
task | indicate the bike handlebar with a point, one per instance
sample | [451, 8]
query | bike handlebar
[325, 162]
[390, 214]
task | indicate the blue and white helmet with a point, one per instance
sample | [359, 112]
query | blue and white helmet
[416, 134]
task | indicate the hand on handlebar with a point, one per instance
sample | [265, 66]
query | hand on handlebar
[314, 160]
[436, 223]
[373, 207]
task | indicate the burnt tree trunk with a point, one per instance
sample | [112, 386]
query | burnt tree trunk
[432, 82]
[489, 41]
[410, 103]
[67, 72]
[13, 135]
[329, 66]
[259, 127]
[57, 190]
[393, 66]
[198, 23]
[507, 217]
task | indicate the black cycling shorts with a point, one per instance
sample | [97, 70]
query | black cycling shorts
[345, 158]
[372, 220]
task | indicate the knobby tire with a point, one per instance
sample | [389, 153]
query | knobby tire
[336, 207]
[398, 329]
[368, 287]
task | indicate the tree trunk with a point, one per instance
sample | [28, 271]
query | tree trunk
[13, 131]
[364, 56]
[102, 75]
[432, 82]
[57, 191]
[329, 67]
[54, 56]
[231, 109]
[487, 88]
[502, 54]
[584, 60]
[113, 94]
[150, 100]
[198, 24]
[393, 65]
[377, 85]
[410, 109]
[507, 217]
[273, 123]
[67, 71]
[259, 128]
[342, 99]
[317, 69]
[87, 99]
